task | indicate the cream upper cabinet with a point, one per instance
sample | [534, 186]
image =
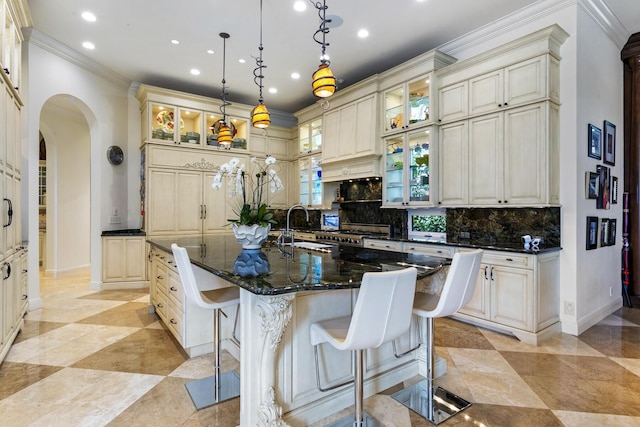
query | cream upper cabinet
[11, 44]
[453, 161]
[349, 131]
[177, 118]
[409, 168]
[532, 80]
[275, 141]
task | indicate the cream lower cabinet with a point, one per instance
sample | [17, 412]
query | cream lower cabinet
[517, 293]
[191, 325]
[13, 299]
[123, 259]
[385, 245]
[427, 249]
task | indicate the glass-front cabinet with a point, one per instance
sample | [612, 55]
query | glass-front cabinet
[310, 175]
[408, 105]
[11, 46]
[171, 124]
[407, 169]
[310, 136]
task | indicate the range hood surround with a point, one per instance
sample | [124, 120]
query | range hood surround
[352, 168]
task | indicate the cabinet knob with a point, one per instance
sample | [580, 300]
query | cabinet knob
[173, 322]
[174, 289]
[160, 305]
[499, 105]
[506, 201]
[6, 70]
[506, 103]
[499, 201]
[24, 297]
[159, 277]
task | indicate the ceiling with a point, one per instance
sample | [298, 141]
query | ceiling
[133, 39]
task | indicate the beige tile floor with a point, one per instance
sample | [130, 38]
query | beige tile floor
[99, 358]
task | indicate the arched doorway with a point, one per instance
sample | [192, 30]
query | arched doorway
[68, 191]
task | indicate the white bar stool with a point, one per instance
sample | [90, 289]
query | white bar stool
[221, 386]
[435, 403]
[381, 314]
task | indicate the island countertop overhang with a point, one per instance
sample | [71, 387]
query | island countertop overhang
[337, 267]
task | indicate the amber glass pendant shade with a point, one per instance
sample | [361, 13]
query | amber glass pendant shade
[324, 83]
[224, 134]
[260, 116]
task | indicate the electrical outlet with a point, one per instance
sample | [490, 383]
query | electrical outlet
[569, 308]
[465, 235]
[115, 220]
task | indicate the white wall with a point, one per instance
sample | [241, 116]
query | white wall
[104, 104]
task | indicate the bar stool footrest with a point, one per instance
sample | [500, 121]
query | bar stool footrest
[202, 391]
[445, 403]
[368, 421]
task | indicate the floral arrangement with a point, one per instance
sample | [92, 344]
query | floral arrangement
[249, 188]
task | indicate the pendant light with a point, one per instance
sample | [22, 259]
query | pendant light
[324, 83]
[224, 132]
[260, 116]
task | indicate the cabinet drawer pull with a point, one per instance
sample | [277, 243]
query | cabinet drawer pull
[24, 271]
[170, 261]
[173, 288]
[159, 277]
[24, 297]
[509, 259]
[161, 257]
[440, 252]
[173, 322]
[160, 305]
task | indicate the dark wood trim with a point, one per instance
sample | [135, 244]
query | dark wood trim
[630, 56]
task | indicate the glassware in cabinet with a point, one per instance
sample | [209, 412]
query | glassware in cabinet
[394, 170]
[407, 105]
[419, 144]
[163, 122]
[190, 126]
[310, 181]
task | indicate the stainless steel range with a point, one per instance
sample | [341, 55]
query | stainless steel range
[353, 234]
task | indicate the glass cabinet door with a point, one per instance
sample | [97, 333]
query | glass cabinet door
[310, 136]
[418, 154]
[239, 128]
[394, 170]
[407, 105]
[310, 175]
[190, 126]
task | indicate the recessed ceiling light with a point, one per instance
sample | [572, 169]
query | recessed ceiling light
[88, 16]
[195, 71]
[273, 90]
[300, 6]
[363, 33]
[210, 51]
[174, 41]
[88, 45]
[242, 60]
[295, 76]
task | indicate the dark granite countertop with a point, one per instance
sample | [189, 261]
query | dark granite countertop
[125, 232]
[493, 246]
[335, 267]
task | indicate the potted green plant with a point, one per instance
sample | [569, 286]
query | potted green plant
[248, 189]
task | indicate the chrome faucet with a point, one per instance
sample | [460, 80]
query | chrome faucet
[288, 233]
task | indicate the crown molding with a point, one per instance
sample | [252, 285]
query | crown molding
[63, 51]
[596, 9]
[606, 20]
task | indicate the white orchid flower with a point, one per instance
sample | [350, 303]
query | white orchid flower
[269, 160]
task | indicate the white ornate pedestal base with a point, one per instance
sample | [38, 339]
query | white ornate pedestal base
[258, 362]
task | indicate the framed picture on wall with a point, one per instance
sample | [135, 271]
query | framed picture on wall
[592, 232]
[604, 232]
[614, 189]
[595, 142]
[612, 232]
[603, 201]
[609, 143]
[592, 185]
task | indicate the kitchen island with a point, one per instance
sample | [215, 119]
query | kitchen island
[281, 295]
